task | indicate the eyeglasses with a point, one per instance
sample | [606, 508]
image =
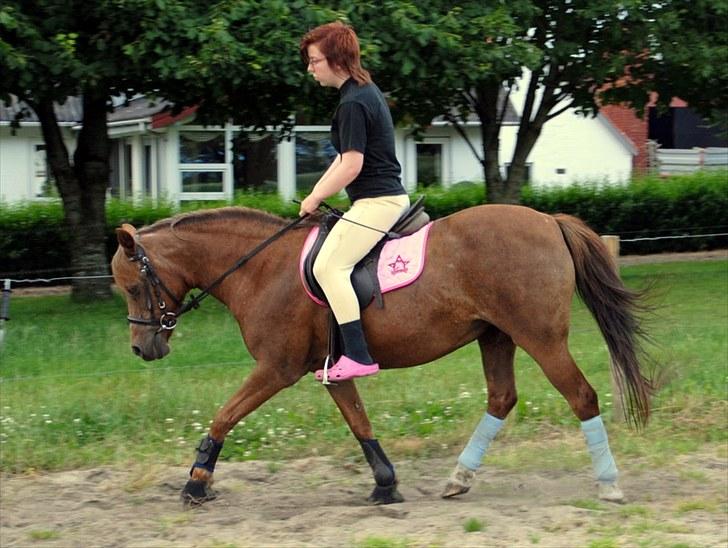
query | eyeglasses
[313, 62]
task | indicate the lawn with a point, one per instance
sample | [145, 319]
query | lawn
[73, 395]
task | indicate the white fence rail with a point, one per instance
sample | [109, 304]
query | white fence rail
[674, 161]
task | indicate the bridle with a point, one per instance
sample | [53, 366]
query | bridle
[155, 288]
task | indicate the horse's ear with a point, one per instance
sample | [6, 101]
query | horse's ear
[126, 236]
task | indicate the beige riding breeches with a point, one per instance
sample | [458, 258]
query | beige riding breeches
[347, 244]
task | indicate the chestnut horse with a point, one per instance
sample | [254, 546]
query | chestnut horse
[502, 275]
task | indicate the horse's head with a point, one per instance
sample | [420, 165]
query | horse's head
[153, 293]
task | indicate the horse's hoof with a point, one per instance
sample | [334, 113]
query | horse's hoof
[454, 489]
[385, 495]
[196, 493]
[611, 492]
[459, 483]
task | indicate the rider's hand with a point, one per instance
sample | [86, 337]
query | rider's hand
[309, 205]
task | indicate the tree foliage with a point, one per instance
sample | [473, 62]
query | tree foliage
[686, 56]
[236, 59]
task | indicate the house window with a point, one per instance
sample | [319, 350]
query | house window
[429, 164]
[203, 166]
[202, 147]
[202, 181]
[314, 154]
[255, 162]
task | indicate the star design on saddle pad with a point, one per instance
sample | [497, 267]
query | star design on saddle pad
[399, 265]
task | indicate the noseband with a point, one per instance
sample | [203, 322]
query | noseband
[155, 287]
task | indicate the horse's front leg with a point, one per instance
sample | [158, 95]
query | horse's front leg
[347, 399]
[262, 383]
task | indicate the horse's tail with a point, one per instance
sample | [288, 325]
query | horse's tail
[616, 309]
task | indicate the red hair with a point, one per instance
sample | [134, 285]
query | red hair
[340, 45]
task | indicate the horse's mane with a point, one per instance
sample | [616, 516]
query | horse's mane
[214, 216]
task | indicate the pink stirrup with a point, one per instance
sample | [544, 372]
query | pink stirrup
[346, 369]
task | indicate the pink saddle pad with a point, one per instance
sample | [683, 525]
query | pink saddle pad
[401, 261]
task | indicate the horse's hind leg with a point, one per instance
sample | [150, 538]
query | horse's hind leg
[497, 350]
[349, 403]
[561, 370]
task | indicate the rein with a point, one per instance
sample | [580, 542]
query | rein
[167, 319]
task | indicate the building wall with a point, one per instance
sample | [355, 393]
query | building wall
[21, 164]
[573, 149]
[635, 129]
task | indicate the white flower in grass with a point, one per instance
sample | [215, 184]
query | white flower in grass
[168, 420]
[464, 395]
[195, 411]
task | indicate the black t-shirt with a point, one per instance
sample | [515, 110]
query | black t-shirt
[362, 122]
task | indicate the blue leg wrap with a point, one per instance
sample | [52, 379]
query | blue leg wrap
[605, 469]
[474, 451]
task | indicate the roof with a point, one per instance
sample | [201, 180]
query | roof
[140, 107]
[69, 112]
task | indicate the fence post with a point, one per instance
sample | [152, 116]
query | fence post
[618, 414]
[4, 309]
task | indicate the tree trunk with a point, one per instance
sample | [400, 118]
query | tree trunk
[529, 130]
[83, 190]
[486, 108]
[516, 179]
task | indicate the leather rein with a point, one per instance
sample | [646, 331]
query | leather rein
[156, 288]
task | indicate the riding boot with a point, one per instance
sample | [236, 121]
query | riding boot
[355, 345]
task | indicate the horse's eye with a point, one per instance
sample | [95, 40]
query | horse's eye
[133, 291]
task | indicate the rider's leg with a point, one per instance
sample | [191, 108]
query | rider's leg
[345, 246]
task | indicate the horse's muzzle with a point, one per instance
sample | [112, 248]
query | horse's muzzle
[154, 348]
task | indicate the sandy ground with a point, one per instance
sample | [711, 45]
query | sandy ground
[321, 502]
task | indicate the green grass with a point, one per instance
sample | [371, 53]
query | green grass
[72, 394]
[473, 525]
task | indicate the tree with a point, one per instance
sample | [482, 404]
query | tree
[236, 59]
[440, 59]
[686, 56]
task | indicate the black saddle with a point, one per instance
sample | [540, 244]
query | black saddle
[364, 277]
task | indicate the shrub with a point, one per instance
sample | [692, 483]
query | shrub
[34, 244]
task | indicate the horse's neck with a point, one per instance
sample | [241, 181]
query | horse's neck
[205, 255]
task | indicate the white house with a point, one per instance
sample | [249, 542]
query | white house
[155, 154]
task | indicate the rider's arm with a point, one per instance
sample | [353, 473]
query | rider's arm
[340, 173]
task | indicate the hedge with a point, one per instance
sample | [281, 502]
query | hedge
[34, 242]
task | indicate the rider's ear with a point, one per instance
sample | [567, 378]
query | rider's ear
[125, 236]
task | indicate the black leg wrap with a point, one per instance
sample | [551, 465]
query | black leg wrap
[385, 491]
[207, 453]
